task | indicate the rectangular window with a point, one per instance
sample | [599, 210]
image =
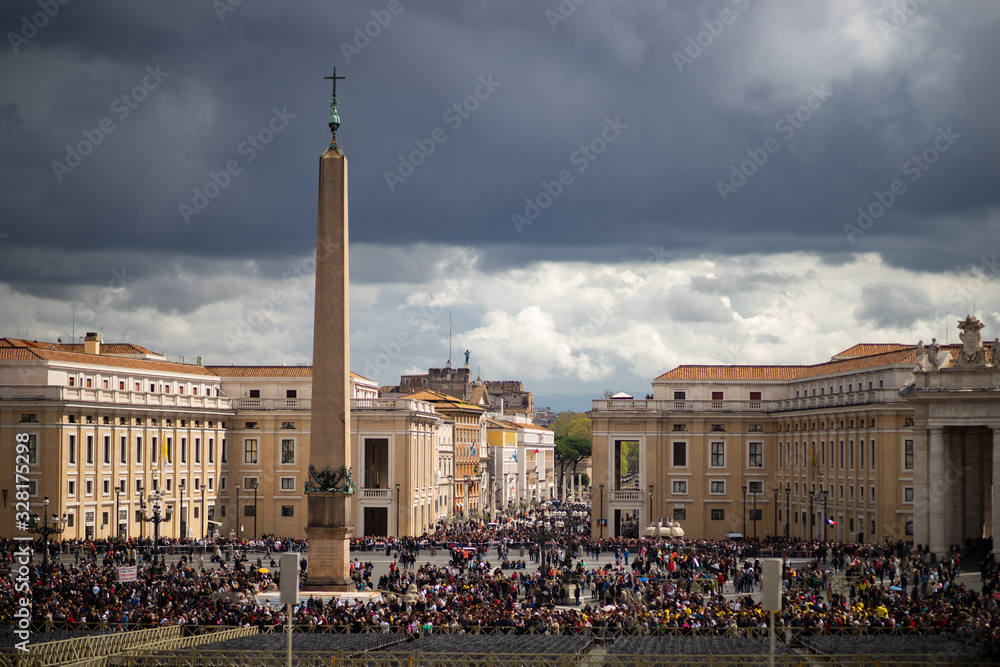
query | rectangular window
[718, 515]
[679, 486]
[153, 450]
[222, 484]
[680, 427]
[250, 425]
[222, 510]
[89, 487]
[287, 510]
[250, 451]
[72, 450]
[680, 514]
[781, 453]
[123, 450]
[107, 450]
[184, 450]
[288, 426]
[755, 487]
[756, 455]
[850, 454]
[291, 393]
[71, 488]
[908, 494]
[754, 395]
[680, 395]
[861, 454]
[907, 455]
[106, 487]
[287, 483]
[138, 450]
[873, 455]
[138, 487]
[249, 510]
[222, 450]
[288, 451]
[840, 450]
[717, 486]
[197, 450]
[717, 395]
[249, 483]
[255, 393]
[718, 427]
[170, 451]
[32, 449]
[211, 450]
[680, 455]
[718, 454]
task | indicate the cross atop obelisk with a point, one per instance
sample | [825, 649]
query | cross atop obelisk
[334, 116]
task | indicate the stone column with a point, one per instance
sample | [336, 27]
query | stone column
[330, 521]
[939, 494]
[921, 490]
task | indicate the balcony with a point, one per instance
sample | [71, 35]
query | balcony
[376, 494]
[649, 405]
[272, 403]
[111, 397]
[407, 404]
[626, 496]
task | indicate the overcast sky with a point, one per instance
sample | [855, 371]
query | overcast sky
[596, 191]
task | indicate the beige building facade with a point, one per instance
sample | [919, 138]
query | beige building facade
[807, 451]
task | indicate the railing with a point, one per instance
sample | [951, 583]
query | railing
[626, 495]
[376, 494]
[272, 403]
[90, 395]
[651, 405]
[408, 404]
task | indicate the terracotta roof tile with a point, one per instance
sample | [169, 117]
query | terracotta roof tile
[866, 349]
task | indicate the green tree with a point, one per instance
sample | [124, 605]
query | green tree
[575, 424]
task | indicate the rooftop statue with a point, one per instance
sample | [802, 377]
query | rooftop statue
[972, 352]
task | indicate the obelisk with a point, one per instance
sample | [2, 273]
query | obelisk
[330, 518]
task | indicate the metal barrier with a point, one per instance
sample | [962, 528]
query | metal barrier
[414, 659]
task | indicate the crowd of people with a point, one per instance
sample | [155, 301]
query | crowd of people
[649, 585]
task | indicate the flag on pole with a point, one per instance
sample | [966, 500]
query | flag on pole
[815, 467]
[164, 453]
[831, 522]
[515, 457]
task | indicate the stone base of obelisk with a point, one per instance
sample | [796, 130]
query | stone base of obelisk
[328, 530]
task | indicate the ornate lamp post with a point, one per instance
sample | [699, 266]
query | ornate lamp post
[118, 521]
[744, 511]
[601, 487]
[650, 505]
[155, 498]
[256, 485]
[45, 529]
[822, 501]
[788, 505]
[777, 490]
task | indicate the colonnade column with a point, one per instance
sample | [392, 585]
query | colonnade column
[939, 493]
[995, 493]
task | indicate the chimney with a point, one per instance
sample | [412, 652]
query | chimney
[92, 343]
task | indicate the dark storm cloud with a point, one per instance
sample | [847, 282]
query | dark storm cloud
[226, 83]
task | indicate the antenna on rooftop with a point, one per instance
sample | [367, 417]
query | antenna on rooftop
[449, 339]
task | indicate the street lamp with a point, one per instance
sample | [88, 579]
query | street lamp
[142, 511]
[822, 500]
[118, 521]
[256, 485]
[650, 504]
[777, 490]
[156, 497]
[812, 519]
[44, 529]
[788, 504]
[744, 511]
[397, 510]
[601, 522]
[203, 511]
